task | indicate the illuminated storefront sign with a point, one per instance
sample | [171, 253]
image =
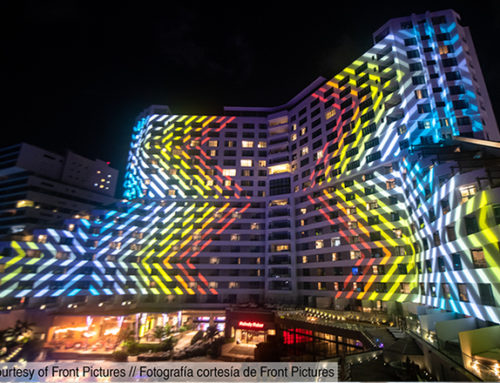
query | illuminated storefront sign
[251, 325]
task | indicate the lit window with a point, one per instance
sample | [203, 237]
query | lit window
[319, 155]
[234, 285]
[247, 144]
[213, 260]
[304, 259]
[443, 50]
[330, 114]
[404, 288]
[352, 224]
[303, 210]
[172, 171]
[294, 136]
[212, 153]
[390, 184]
[462, 292]
[25, 203]
[262, 144]
[478, 258]
[420, 93]
[209, 182]
[42, 238]
[467, 192]
[282, 247]
[254, 226]
[278, 202]
[282, 168]
[303, 130]
[227, 182]
[351, 210]
[446, 290]
[171, 192]
[229, 172]
[355, 254]
[247, 163]
[372, 205]
[193, 143]
[304, 150]
[398, 233]
[115, 245]
[262, 163]
[213, 143]
[235, 237]
[319, 244]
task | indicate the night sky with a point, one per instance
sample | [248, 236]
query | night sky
[75, 74]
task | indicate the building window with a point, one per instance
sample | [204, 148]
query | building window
[247, 144]
[432, 287]
[486, 294]
[352, 224]
[213, 143]
[319, 244]
[254, 226]
[335, 241]
[355, 254]
[471, 225]
[462, 292]
[372, 205]
[354, 239]
[478, 258]
[421, 93]
[445, 287]
[398, 233]
[404, 288]
[229, 172]
[450, 233]
[246, 163]
[467, 192]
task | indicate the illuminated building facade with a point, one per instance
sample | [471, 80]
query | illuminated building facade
[378, 186]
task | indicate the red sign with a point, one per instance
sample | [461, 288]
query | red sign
[256, 325]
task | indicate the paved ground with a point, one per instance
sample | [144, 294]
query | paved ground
[184, 340]
[233, 351]
[374, 371]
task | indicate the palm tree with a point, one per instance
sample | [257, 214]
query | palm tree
[159, 332]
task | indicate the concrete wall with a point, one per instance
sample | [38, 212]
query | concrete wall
[428, 321]
[442, 367]
[449, 329]
[479, 340]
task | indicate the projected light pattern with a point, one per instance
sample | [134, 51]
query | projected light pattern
[355, 193]
[140, 249]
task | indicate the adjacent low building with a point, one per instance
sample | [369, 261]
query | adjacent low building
[40, 188]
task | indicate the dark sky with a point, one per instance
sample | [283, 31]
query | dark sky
[77, 73]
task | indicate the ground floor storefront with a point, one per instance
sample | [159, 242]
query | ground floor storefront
[103, 334]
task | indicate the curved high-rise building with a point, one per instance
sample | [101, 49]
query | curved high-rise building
[379, 185]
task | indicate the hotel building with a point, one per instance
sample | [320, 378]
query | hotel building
[374, 189]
